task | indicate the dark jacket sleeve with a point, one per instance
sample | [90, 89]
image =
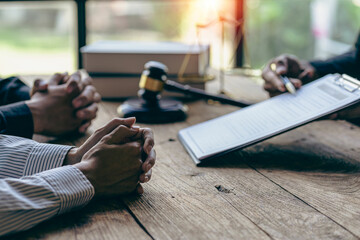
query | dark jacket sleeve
[15, 116]
[13, 90]
[16, 119]
[348, 63]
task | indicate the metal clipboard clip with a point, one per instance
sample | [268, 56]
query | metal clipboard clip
[348, 83]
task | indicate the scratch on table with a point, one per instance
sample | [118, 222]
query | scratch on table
[220, 188]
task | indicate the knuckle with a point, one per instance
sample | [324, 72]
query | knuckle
[151, 141]
[89, 80]
[152, 161]
[99, 130]
[91, 88]
[88, 90]
[97, 97]
[135, 148]
[74, 78]
[149, 130]
[72, 83]
[149, 177]
[137, 145]
[82, 98]
[113, 121]
[106, 138]
[116, 121]
[96, 108]
[122, 128]
[86, 112]
[138, 164]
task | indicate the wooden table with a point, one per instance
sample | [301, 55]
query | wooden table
[303, 184]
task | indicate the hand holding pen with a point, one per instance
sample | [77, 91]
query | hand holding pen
[288, 85]
[286, 73]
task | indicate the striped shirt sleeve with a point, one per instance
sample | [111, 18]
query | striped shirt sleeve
[30, 200]
[33, 185]
[22, 157]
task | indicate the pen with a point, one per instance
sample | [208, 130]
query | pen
[288, 85]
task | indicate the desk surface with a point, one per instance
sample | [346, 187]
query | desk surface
[304, 184]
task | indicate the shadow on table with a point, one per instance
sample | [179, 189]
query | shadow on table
[67, 223]
[68, 139]
[312, 157]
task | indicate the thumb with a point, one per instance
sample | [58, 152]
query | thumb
[76, 77]
[129, 122]
[122, 134]
[103, 131]
[39, 86]
[296, 82]
[72, 88]
[57, 78]
[113, 124]
[281, 69]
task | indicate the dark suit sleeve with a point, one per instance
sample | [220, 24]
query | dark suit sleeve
[348, 63]
[16, 119]
[13, 90]
[15, 116]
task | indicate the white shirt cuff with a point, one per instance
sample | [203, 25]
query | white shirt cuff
[70, 185]
[44, 157]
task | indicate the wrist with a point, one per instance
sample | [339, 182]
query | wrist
[86, 169]
[36, 115]
[309, 72]
[72, 157]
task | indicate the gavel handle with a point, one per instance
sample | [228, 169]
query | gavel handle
[173, 86]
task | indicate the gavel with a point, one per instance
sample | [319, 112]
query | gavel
[149, 107]
[154, 80]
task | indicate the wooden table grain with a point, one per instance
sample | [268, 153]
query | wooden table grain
[303, 184]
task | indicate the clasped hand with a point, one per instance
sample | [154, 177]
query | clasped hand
[64, 104]
[116, 158]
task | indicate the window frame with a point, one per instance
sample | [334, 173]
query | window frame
[82, 28]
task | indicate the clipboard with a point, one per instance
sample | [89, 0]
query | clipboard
[347, 82]
[261, 121]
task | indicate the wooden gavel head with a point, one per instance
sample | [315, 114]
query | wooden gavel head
[149, 108]
[152, 81]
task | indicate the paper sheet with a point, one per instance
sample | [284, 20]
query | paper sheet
[266, 119]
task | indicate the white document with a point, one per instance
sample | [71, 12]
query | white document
[268, 118]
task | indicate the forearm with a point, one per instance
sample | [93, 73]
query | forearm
[27, 201]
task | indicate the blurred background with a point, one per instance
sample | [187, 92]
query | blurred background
[39, 37]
